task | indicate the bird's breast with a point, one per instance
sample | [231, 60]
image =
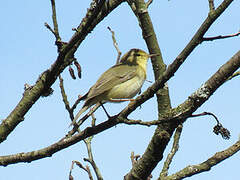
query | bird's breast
[129, 88]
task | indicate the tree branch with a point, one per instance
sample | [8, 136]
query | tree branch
[64, 97]
[211, 5]
[149, 2]
[115, 44]
[54, 19]
[143, 123]
[91, 160]
[82, 167]
[90, 155]
[206, 165]
[234, 75]
[220, 37]
[174, 149]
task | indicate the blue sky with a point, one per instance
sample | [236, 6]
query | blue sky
[28, 49]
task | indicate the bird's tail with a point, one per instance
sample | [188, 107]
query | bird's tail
[84, 108]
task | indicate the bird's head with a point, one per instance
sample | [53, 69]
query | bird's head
[136, 57]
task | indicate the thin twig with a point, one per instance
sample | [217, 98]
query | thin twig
[148, 3]
[70, 172]
[82, 167]
[90, 155]
[64, 97]
[174, 149]
[204, 114]
[115, 45]
[220, 37]
[91, 160]
[134, 158]
[50, 29]
[93, 119]
[54, 19]
[217, 129]
[234, 75]
[211, 5]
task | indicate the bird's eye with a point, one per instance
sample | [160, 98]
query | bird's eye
[138, 55]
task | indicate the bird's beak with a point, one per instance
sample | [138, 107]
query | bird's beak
[153, 55]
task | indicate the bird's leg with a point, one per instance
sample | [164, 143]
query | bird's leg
[105, 110]
[120, 100]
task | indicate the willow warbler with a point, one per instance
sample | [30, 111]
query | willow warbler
[120, 82]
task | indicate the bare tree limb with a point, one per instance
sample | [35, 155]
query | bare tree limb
[64, 97]
[149, 2]
[82, 167]
[218, 129]
[206, 165]
[211, 5]
[115, 44]
[54, 19]
[91, 160]
[90, 155]
[140, 122]
[134, 158]
[174, 149]
[234, 75]
[220, 37]
[55, 31]
[70, 172]
[49, 28]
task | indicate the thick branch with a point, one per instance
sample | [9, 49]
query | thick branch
[139, 7]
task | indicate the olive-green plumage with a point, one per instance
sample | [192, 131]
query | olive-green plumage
[122, 81]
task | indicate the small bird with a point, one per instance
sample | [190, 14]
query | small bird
[119, 83]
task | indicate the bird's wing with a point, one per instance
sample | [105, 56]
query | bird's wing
[111, 78]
